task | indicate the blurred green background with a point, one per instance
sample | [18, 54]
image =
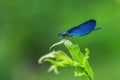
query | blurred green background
[29, 27]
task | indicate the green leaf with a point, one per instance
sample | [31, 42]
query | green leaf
[58, 43]
[74, 51]
[88, 69]
[78, 60]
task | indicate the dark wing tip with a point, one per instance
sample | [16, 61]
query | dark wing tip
[92, 21]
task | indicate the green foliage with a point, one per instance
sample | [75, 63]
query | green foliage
[78, 60]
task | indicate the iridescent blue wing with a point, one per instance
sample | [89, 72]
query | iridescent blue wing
[82, 29]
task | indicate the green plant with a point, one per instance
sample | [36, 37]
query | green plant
[78, 60]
